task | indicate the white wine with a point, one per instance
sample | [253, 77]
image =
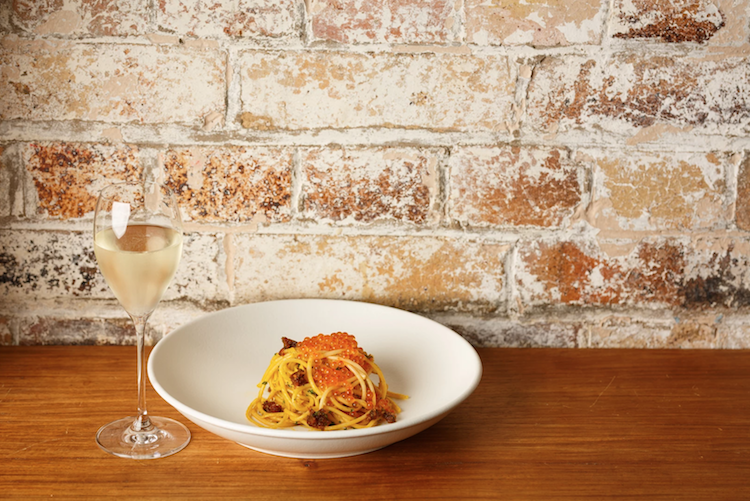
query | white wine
[139, 265]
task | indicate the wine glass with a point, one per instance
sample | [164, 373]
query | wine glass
[138, 244]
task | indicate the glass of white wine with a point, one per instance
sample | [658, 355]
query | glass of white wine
[138, 245]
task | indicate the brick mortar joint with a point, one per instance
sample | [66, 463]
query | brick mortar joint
[508, 235]
[364, 139]
[600, 51]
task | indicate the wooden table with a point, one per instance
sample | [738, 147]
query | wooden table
[543, 424]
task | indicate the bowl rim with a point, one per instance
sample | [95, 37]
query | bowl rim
[302, 433]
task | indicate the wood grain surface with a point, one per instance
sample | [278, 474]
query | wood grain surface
[543, 424]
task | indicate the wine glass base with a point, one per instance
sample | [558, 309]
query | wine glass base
[163, 438]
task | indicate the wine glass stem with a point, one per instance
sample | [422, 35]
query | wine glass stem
[142, 422]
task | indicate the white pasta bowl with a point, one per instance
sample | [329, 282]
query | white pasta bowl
[209, 370]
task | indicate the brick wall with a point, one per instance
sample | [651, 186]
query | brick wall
[567, 174]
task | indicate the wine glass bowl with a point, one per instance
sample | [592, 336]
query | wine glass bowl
[138, 245]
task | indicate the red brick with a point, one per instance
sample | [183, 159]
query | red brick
[80, 17]
[511, 186]
[234, 18]
[674, 21]
[509, 22]
[299, 90]
[68, 177]
[232, 184]
[368, 185]
[637, 90]
[365, 21]
[46, 80]
[640, 191]
[414, 273]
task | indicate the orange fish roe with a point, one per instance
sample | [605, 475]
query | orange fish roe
[326, 372]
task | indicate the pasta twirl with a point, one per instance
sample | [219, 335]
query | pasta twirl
[323, 383]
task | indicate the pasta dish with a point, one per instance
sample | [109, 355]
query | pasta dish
[323, 383]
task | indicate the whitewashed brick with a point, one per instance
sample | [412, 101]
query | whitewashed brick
[201, 276]
[643, 191]
[231, 185]
[319, 89]
[62, 264]
[631, 91]
[686, 330]
[45, 80]
[511, 186]
[49, 264]
[421, 274]
[370, 185]
[64, 179]
[505, 333]
[541, 24]
[679, 21]
[5, 189]
[657, 273]
[385, 21]
[79, 17]
[228, 18]
[52, 330]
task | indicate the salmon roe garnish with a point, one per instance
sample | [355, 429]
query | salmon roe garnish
[327, 372]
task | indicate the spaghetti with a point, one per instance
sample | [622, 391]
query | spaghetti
[323, 383]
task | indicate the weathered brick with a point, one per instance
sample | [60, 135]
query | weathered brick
[512, 186]
[62, 264]
[368, 185]
[709, 330]
[675, 21]
[623, 331]
[49, 264]
[742, 205]
[384, 21]
[641, 191]
[633, 91]
[170, 315]
[80, 17]
[5, 189]
[499, 332]
[6, 335]
[234, 18]
[201, 276]
[509, 22]
[735, 16]
[67, 178]
[232, 184]
[717, 273]
[45, 80]
[733, 332]
[5, 15]
[658, 272]
[316, 89]
[418, 274]
[51, 330]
